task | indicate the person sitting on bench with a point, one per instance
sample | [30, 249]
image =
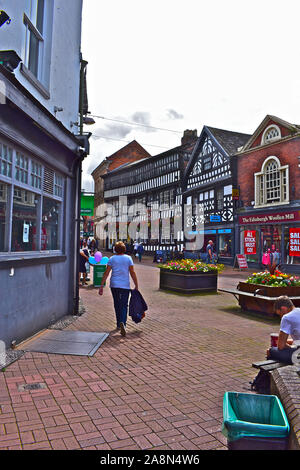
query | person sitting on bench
[289, 326]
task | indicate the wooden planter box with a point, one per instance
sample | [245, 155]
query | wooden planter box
[187, 282]
[265, 305]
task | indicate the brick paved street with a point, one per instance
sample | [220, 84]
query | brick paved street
[160, 387]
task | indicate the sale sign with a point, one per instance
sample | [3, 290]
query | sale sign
[294, 243]
[250, 242]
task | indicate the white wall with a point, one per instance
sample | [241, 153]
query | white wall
[61, 56]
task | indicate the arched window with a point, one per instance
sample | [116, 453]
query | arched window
[271, 183]
[271, 134]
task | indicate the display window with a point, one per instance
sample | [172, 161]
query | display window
[31, 204]
[291, 244]
[250, 257]
[24, 220]
[225, 245]
[51, 214]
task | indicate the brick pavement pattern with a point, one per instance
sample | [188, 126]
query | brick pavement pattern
[160, 387]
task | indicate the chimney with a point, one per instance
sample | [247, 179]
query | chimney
[189, 136]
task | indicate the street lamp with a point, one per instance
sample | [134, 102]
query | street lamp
[4, 18]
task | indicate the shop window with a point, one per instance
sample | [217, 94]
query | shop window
[51, 213]
[3, 212]
[253, 257]
[225, 245]
[271, 183]
[24, 220]
[287, 258]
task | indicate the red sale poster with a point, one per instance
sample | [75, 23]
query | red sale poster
[294, 246]
[250, 242]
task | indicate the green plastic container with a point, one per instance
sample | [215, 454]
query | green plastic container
[255, 422]
[98, 274]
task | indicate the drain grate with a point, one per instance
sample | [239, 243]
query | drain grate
[35, 386]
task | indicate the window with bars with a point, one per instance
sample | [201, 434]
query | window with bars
[271, 183]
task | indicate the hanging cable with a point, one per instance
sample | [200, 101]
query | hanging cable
[134, 124]
[127, 141]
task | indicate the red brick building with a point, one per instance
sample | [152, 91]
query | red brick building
[268, 179]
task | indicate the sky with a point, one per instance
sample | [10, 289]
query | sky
[179, 65]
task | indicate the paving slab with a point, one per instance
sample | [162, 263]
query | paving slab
[159, 387]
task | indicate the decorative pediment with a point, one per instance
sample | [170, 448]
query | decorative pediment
[271, 129]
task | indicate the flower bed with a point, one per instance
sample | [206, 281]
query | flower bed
[270, 286]
[189, 276]
[278, 279]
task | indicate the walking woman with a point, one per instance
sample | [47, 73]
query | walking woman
[121, 267]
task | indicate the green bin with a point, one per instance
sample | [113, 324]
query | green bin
[98, 274]
[254, 422]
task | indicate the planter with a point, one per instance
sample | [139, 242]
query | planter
[265, 305]
[187, 282]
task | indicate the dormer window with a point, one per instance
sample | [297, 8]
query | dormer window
[271, 134]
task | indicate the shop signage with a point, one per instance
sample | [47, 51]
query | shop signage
[235, 194]
[294, 243]
[270, 218]
[215, 218]
[241, 261]
[250, 242]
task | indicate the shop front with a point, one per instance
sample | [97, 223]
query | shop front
[223, 240]
[268, 233]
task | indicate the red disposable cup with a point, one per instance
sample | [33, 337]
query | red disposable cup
[274, 339]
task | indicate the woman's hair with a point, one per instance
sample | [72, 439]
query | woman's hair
[120, 248]
[283, 301]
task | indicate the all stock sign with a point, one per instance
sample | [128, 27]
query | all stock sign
[250, 242]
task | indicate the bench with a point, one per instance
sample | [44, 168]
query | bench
[268, 365]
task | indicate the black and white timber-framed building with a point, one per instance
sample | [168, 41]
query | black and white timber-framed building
[154, 183]
[209, 180]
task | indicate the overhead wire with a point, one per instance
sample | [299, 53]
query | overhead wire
[131, 123]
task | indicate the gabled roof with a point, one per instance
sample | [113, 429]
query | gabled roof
[229, 140]
[293, 128]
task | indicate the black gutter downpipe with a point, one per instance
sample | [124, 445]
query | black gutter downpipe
[83, 64]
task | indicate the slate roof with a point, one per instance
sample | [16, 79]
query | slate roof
[229, 140]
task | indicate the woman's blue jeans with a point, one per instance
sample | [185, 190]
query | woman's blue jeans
[120, 297]
[282, 355]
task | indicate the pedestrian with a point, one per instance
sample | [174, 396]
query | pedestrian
[83, 258]
[121, 267]
[135, 247]
[289, 326]
[209, 252]
[140, 251]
